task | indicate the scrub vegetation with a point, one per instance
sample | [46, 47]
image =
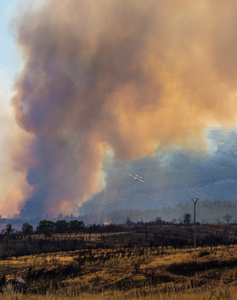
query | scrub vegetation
[146, 261]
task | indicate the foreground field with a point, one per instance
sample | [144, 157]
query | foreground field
[222, 293]
[126, 273]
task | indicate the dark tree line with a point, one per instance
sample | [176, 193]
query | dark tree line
[47, 227]
[61, 226]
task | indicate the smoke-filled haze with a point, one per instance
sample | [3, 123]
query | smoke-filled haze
[128, 79]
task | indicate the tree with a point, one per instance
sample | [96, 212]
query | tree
[158, 220]
[227, 218]
[60, 216]
[187, 219]
[27, 229]
[61, 226]
[45, 227]
[76, 226]
[129, 222]
[8, 229]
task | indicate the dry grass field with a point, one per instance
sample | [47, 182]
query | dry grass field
[125, 273]
[134, 235]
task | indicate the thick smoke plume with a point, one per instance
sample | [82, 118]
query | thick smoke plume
[12, 182]
[128, 77]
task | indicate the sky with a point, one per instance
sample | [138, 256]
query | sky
[12, 181]
[9, 56]
[9, 64]
[87, 84]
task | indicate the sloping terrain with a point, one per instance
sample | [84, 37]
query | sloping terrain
[135, 271]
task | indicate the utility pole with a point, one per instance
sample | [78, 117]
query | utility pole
[195, 200]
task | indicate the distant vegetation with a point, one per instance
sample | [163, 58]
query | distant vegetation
[61, 235]
[208, 212]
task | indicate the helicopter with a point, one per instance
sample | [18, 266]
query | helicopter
[136, 177]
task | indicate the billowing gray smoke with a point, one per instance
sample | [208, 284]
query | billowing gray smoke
[117, 77]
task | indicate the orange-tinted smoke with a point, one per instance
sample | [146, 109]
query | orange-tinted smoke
[133, 77]
[13, 187]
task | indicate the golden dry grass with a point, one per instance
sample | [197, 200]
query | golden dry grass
[220, 293]
[136, 273]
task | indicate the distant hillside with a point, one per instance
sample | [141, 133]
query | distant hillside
[207, 212]
[170, 179]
